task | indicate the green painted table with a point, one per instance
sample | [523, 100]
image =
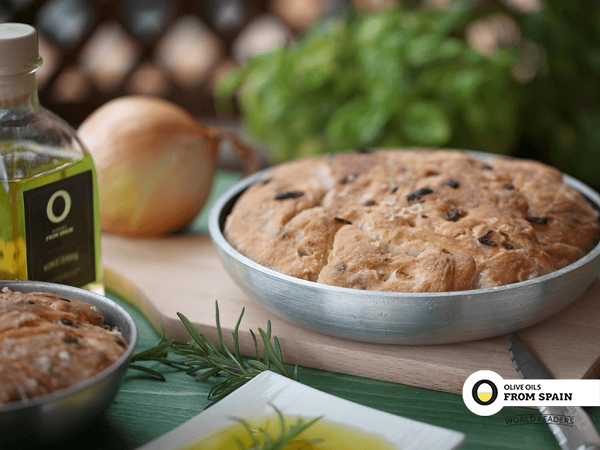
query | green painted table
[145, 408]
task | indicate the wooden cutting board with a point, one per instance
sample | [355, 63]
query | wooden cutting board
[183, 274]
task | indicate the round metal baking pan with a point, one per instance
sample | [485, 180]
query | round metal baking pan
[55, 416]
[403, 318]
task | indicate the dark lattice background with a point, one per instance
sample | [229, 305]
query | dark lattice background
[95, 50]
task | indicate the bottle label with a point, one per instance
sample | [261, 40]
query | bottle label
[59, 231]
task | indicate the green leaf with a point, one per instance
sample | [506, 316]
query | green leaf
[450, 48]
[161, 349]
[374, 28]
[224, 348]
[236, 336]
[258, 365]
[426, 124]
[315, 63]
[198, 339]
[422, 50]
[357, 123]
[154, 373]
[456, 16]
[207, 374]
[228, 83]
[381, 68]
[255, 341]
[329, 28]
[271, 352]
[388, 98]
[464, 84]
[275, 102]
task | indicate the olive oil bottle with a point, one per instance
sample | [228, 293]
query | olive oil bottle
[49, 219]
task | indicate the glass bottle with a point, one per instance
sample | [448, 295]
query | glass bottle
[49, 220]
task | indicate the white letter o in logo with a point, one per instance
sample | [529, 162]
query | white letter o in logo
[67, 198]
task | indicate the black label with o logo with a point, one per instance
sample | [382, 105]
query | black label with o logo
[59, 231]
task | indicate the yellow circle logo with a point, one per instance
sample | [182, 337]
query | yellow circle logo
[484, 392]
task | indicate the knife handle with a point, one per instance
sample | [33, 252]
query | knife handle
[582, 435]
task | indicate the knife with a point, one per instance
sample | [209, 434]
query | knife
[583, 434]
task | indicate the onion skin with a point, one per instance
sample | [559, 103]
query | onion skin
[155, 165]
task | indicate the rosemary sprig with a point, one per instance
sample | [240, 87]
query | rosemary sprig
[204, 359]
[158, 353]
[261, 440]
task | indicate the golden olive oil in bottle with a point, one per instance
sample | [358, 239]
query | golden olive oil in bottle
[49, 218]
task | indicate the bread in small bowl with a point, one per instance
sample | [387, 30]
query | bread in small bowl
[49, 343]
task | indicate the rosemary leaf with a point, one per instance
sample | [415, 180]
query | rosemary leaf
[224, 348]
[250, 431]
[225, 388]
[236, 339]
[160, 349]
[269, 329]
[281, 421]
[191, 329]
[239, 443]
[256, 355]
[154, 373]
[271, 354]
[207, 374]
[258, 365]
[277, 347]
[266, 338]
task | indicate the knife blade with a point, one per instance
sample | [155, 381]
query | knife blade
[583, 434]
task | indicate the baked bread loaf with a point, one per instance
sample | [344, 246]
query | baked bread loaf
[412, 220]
[48, 343]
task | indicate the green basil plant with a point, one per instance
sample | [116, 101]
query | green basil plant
[396, 78]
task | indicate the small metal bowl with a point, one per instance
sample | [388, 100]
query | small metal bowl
[403, 318]
[57, 415]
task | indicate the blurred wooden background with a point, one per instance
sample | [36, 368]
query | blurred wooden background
[95, 50]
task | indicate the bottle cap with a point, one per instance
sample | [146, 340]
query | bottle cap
[18, 48]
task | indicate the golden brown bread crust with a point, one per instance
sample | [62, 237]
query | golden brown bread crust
[48, 343]
[412, 221]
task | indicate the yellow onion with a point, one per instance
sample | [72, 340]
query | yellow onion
[155, 164]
